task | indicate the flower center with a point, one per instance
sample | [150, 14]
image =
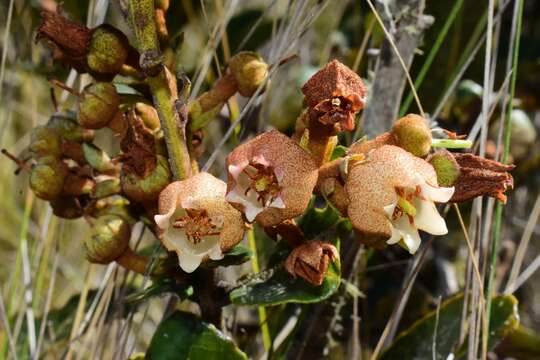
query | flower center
[404, 204]
[197, 224]
[262, 180]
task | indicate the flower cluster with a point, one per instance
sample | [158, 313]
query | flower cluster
[387, 187]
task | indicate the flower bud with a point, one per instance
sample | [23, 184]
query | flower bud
[97, 158]
[107, 51]
[196, 221]
[445, 166]
[249, 70]
[310, 261]
[106, 188]
[412, 133]
[98, 105]
[47, 177]
[270, 178]
[45, 141]
[148, 114]
[146, 189]
[69, 129]
[109, 239]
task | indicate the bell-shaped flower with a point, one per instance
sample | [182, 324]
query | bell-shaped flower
[270, 178]
[392, 195]
[196, 221]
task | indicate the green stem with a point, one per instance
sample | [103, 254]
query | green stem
[497, 222]
[431, 56]
[163, 86]
[267, 339]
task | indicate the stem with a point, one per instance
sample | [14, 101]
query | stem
[507, 136]
[451, 143]
[263, 319]
[134, 262]
[162, 84]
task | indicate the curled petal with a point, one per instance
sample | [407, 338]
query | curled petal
[428, 218]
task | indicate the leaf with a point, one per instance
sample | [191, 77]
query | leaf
[417, 341]
[158, 287]
[184, 336]
[236, 256]
[521, 343]
[318, 219]
[339, 151]
[277, 286]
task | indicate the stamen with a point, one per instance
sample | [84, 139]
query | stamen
[197, 224]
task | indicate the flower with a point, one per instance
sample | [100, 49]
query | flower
[335, 93]
[196, 222]
[310, 261]
[392, 196]
[270, 178]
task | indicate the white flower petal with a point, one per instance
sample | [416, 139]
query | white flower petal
[428, 218]
[396, 236]
[389, 210]
[189, 262]
[259, 159]
[163, 221]
[236, 170]
[409, 234]
[252, 208]
[277, 203]
[435, 193]
[215, 253]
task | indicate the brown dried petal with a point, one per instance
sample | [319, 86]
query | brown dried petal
[138, 146]
[480, 176]
[310, 261]
[334, 80]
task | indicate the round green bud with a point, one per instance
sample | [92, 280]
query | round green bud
[146, 189]
[47, 177]
[109, 239]
[66, 207]
[45, 141]
[445, 166]
[69, 129]
[108, 50]
[98, 105]
[412, 133]
[249, 71]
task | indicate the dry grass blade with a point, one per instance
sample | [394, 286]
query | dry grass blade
[7, 328]
[527, 273]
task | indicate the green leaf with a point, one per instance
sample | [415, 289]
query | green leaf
[417, 341]
[521, 343]
[184, 336]
[277, 286]
[318, 219]
[339, 151]
[236, 256]
[158, 287]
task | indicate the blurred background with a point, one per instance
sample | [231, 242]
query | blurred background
[43, 254]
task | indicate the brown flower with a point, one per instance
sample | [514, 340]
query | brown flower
[335, 93]
[479, 176]
[270, 178]
[310, 261]
[196, 222]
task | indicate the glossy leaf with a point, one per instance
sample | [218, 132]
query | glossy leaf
[318, 219]
[184, 336]
[417, 341]
[277, 286]
[236, 256]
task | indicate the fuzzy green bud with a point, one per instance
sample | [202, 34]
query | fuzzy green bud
[45, 141]
[47, 177]
[106, 188]
[412, 133]
[109, 239]
[98, 105]
[147, 189]
[249, 70]
[108, 51]
[69, 129]
[445, 166]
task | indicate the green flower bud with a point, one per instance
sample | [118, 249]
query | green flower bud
[69, 129]
[249, 70]
[412, 133]
[107, 51]
[97, 158]
[109, 239]
[47, 177]
[445, 166]
[146, 189]
[66, 207]
[45, 141]
[98, 105]
[148, 114]
[107, 188]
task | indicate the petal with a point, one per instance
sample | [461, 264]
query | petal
[396, 236]
[215, 253]
[428, 218]
[236, 170]
[189, 262]
[251, 205]
[389, 210]
[436, 193]
[259, 159]
[277, 203]
[409, 234]
[163, 221]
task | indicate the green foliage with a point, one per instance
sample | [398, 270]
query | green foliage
[183, 336]
[159, 287]
[236, 256]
